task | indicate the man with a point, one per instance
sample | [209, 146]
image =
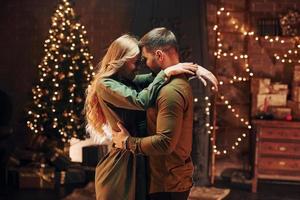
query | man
[169, 124]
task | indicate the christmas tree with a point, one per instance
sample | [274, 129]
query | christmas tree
[63, 76]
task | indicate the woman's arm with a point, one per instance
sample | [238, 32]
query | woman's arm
[122, 96]
[143, 80]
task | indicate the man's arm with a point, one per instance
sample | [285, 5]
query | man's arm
[171, 106]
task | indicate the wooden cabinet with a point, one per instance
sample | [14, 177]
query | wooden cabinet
[277, 151]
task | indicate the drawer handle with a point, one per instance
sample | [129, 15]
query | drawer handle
[282, 148]
[282, 163]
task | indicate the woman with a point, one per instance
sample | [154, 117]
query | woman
[113, 97]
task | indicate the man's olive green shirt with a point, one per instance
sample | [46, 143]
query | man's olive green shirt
[170, 125]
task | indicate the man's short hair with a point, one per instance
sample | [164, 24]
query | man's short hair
[159, 38]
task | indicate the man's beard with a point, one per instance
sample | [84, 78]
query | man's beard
[155, 67]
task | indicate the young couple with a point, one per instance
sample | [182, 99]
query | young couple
[147, 119]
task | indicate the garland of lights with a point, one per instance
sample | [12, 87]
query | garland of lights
[244, 57]
[289, 57]
[220, 53]
[241, 29]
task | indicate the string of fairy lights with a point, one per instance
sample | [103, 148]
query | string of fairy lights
[220, 53]
[289, 57]
[66, 50]
[64, 72]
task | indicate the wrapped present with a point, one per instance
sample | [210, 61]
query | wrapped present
[261, 102]
[73, 175]
[278, 88]
[280, 112]
[39, 178]
[92, 154]
[28, 155]
[260, 85]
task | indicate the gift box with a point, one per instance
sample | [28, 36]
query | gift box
[260, 85]
[38, 178]
[270, 100]
[278, 88]
[91, 155]
[28, 156]
[73, 175]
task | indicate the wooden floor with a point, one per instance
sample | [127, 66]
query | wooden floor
[266, 191]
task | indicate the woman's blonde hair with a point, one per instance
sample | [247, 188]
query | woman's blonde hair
[121, 50]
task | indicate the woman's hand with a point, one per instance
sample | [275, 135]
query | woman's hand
[203, 74]
[193, 69]
[119, 137]
[181, 68]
